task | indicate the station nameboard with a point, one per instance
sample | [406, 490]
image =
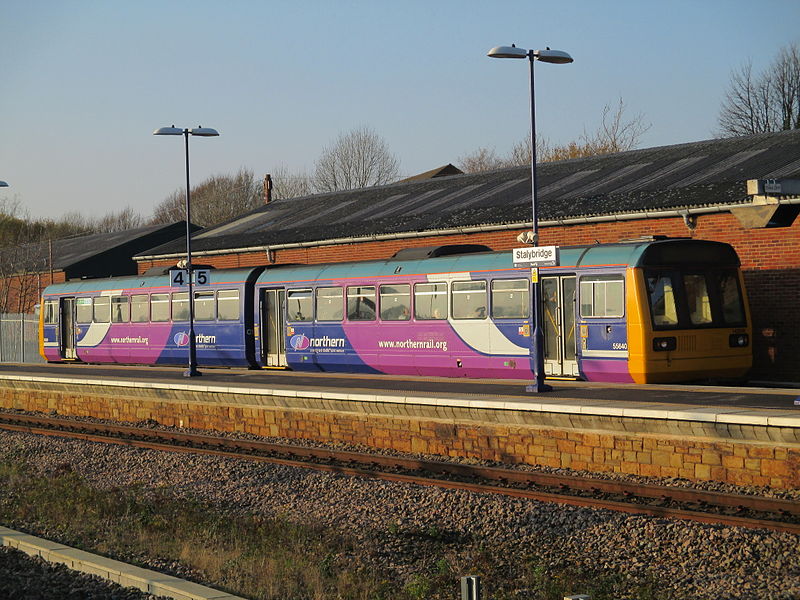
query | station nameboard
[536, 256]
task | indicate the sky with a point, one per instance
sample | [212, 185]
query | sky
[83, 84]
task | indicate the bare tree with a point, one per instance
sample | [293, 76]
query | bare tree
[288, 184]
[615, 133]
[766, 102]
[171, 209]
[482, 159]
[356, 159]
[216, 199]
[118, 221]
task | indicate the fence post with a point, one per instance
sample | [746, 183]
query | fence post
[22, 336]
[471, 588]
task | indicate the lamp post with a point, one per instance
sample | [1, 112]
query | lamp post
[556, 57]
[202, 132]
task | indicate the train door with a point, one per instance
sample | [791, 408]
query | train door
[558, 326]
[66, 332]
[273, 339]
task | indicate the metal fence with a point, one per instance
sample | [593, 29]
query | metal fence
[19, 338]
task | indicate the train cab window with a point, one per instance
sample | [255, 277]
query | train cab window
[140, 308]
[120, 309]
[697, 298]
[395, 302]
[102, 309]
[469, 299]
[300, 305]
[83, 310]
[430, 301]
[180, 306]
[330, 302]
[228, 305]
[731, 298]
[51, 311]
[510, 299]
[204, 306]
[661, 291]
[361, 303]
[602, 296]
[159, 308]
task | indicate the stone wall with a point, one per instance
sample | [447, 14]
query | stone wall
[649, 447]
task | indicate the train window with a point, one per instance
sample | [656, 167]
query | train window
[228, 305]
[395, 302]
[204, 308]
[330, 301]
[51, 311]
[510, 299]
[120, 309]
[697, 298]
[731, 297]
[180, 306]
[299, 305]
[361, 303]
[159, 308]
[140, 308]
[602, 296]
[430, 301]
[83, 310]
[661, 290]
[102, 309]
[469, 299]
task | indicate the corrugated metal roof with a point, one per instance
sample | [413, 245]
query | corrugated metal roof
[98, 254]
[691, 175]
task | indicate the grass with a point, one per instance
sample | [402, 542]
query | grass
[265, 558]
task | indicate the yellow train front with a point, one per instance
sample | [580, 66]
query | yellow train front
[688, 316]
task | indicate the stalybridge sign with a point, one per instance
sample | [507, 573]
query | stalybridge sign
[536, 256]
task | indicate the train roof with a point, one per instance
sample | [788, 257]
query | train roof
[83, 286]
[640, 253]
[637, 253]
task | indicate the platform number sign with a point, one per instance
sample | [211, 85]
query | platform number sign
[180, 277]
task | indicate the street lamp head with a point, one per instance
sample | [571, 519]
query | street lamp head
[552, 56]
[507, 52]
[168, 131]
[204, 131]
[547, 55]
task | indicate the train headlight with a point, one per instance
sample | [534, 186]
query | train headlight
[665, 344]
[738, 340]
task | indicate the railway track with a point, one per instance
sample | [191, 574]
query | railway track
[655, 500]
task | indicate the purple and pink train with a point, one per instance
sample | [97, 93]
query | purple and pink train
[644, 311]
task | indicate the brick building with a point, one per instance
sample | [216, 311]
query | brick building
[697, 190]
[26, 270]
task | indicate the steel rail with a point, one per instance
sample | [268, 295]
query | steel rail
[345, 463]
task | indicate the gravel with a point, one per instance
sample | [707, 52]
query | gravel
[400, 527]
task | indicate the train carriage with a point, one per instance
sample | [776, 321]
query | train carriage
[143, 320]
[644, 311]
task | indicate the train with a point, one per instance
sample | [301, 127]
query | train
[652, 310]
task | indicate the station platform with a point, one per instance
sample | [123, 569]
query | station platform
[741, 434]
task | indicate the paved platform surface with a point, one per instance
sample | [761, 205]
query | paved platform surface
[734, 405]
[121, 573]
